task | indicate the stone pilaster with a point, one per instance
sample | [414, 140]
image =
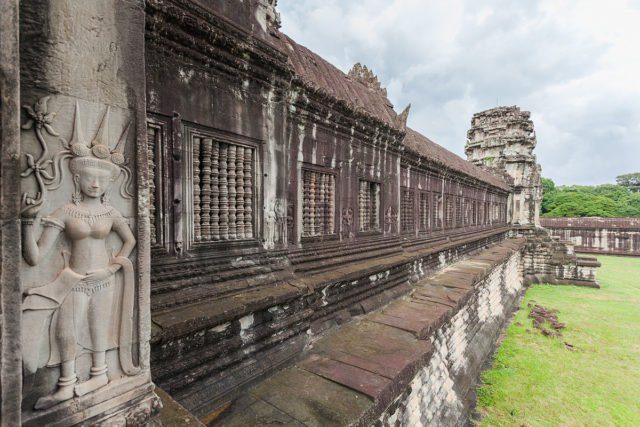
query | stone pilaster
[83, 192]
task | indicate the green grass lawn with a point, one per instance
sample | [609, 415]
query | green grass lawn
[538, 381]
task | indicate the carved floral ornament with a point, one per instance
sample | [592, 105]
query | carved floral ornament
[74, 314]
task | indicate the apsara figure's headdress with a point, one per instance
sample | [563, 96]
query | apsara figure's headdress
[97, 154]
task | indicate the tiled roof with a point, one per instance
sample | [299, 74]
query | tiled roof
[319, 73]
[316, 72]
[423, 146]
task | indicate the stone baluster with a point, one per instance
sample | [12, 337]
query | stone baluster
[207, 146]
[224, 193]
[152, 136]
[331, 196]
[231, 165]
[364, 219]
[321, 205]
[248, 193]
[312, 203]
[306, 204]
[214, 221]
[197, 230]
[375, 206]
[240, 193]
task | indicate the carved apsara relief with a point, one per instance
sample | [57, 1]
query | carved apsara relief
[275, 230]
[391, 220]
[347, 223]
[73, 314]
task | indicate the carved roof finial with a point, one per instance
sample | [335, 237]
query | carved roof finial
[401, 119]
[365, 76]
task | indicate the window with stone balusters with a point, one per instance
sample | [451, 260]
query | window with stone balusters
[369, 205]
[222, 189]
[407, 214]
[436, 211]
[424, 211]
[474, 213]
[448, 211]
[487, 213]
[154, 141]
[318, 203]
[458, 212]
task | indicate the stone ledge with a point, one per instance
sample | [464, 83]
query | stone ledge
[352, 374]
[190, 318]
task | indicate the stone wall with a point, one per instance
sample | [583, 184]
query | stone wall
[613, 236]
[76, 190]
[287, 197]
[439, 393]
[547, 259]
[191, 196]
[412, 362]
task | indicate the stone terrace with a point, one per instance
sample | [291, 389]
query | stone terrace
[354, 375]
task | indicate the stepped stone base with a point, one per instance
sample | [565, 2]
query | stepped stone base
[412, 362]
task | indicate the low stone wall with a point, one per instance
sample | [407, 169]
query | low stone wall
[256, 333]
[412, 362]
[615, 236]
[438, 393]
[547, 259]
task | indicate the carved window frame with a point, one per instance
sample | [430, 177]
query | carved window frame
[310, 167]
[381, 208]
[191, 130]
[161, 197]
[424, 197]
[448, 212]
[458, 212]
[437, 214]
[412, 216]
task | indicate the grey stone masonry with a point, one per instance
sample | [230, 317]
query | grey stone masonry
[75, 231]
[502, 140]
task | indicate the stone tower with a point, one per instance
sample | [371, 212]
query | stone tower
[502, 140]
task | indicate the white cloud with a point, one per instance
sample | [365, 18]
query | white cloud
[574, 65]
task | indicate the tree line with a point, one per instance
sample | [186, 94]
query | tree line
[607, 200]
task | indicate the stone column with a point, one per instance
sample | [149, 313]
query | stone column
[10, 296]
[83, 193]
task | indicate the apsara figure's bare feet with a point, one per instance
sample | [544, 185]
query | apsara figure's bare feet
[93, 383]
[63, 393]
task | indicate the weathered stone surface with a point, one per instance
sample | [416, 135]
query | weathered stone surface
[502, 140]
[10, 278]
[615, 236]
[409, 378]
[285, 199]
[83, 200]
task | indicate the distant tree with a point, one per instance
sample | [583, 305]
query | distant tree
[607, 200]
[577, 204]
[548, 194]
[631, 181]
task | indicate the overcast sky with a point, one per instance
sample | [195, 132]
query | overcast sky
[574, 64]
